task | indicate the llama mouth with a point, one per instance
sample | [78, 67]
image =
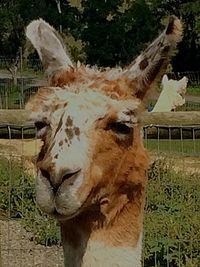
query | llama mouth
[63, 203]
[60, 217]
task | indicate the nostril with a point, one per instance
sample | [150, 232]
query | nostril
[69, 174]
[45, 173]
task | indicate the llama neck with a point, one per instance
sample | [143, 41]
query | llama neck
[89, 243]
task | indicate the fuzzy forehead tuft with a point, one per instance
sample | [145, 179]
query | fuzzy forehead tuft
[53, 100]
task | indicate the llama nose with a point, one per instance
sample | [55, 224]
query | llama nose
[57, 180]
[67, 174]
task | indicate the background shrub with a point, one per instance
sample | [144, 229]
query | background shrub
[172, 219]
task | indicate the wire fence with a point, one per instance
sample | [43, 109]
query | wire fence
[193, 77]
[172, 220]
[28, 63]
[14, 94]
[36, 65]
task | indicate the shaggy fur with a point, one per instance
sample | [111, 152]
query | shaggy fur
[92, 168]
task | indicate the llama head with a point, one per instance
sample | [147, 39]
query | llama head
[92, 156]
[174, 90]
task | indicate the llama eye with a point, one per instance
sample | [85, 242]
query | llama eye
[120, 128]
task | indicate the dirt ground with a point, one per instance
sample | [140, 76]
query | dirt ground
[18, 147]
[18, 251]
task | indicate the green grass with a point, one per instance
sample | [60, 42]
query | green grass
[172, 220]
[186, 147]
[17, 202]
[193, 91]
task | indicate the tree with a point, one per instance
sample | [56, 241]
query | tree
[106, 33]
[116, 33]
[11, 36]
[188, 56]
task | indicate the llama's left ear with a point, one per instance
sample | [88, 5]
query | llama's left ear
[164, 79]
[152, 63]
[49, 46]
[184, 81]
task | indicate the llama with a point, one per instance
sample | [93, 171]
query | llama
[172, 95]
[92, 167]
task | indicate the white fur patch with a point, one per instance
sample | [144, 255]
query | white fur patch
[172, 95]
[50, 49]
[98, 254]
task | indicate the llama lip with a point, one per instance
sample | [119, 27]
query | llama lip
[61, 217]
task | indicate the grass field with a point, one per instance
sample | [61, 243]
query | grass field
[185, 147]
[193, 90]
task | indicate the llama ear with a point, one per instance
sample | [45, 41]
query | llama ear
[184, 81]
[152, 63]
[49, 46]
[164, 79]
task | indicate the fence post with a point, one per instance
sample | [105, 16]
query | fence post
[21, 79]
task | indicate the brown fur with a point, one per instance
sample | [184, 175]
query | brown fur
[112, 189]
[122, 187]
[118, 89]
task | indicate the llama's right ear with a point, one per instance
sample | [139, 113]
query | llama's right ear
[49, 46]
[149, 66]
[164, 79]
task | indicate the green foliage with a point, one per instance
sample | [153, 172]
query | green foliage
[10, 96]
[120, 34]
[107, 33]
[172, 219]
[17, 189]
[76, 48]
[193, 91]
[11, 28]
[17, 198]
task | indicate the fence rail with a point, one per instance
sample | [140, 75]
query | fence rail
[21, 117]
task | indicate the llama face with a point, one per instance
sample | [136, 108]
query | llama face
[71, 163]
[175, 90]
[93, 157]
